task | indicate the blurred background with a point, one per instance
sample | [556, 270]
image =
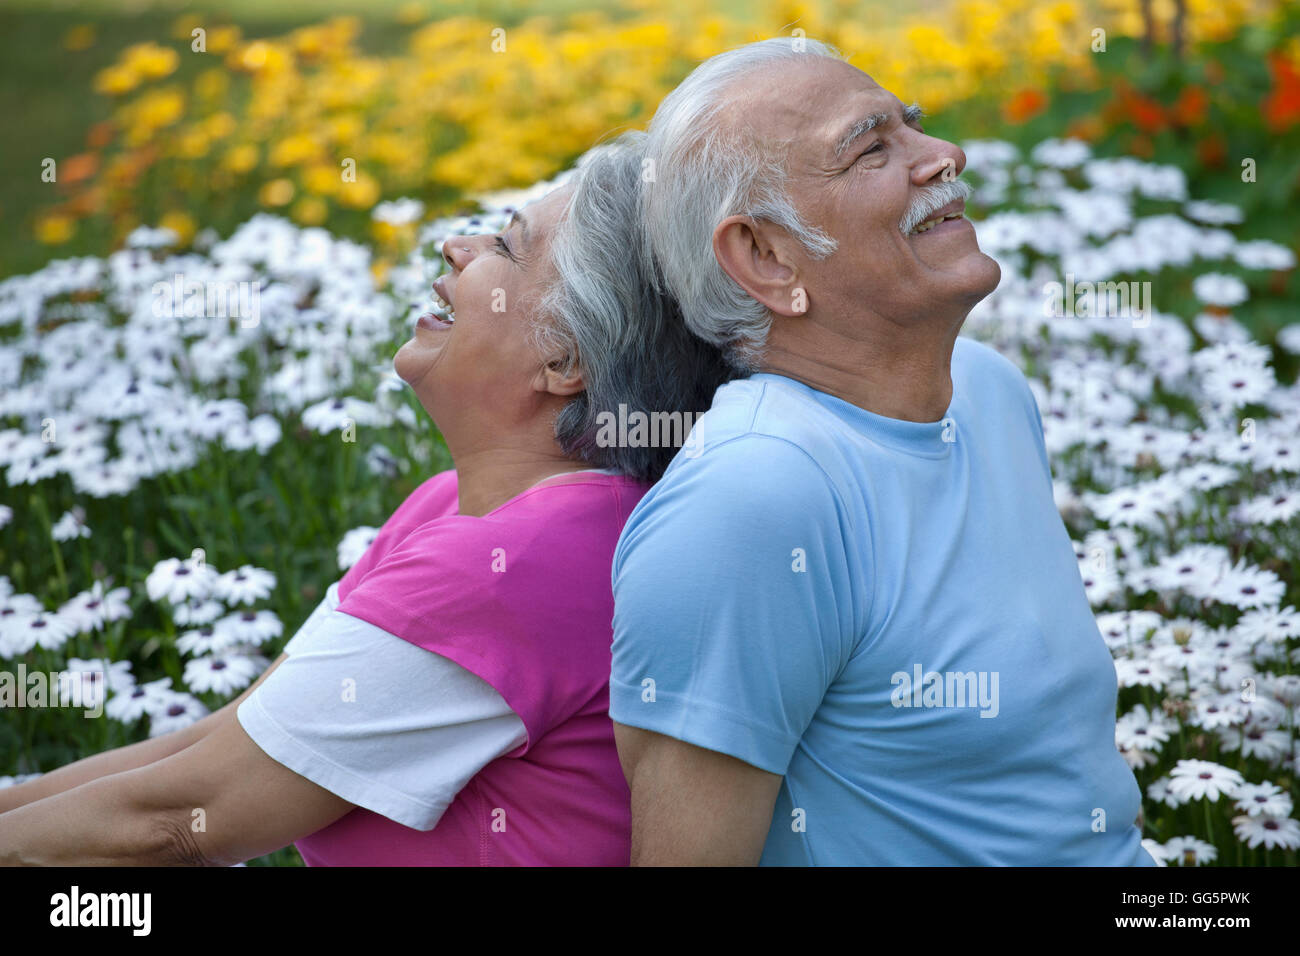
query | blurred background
[190, 116]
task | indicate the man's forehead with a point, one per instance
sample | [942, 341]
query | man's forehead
[807, 104]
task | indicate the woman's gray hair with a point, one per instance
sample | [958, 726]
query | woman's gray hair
[606, 314]
[703, 173]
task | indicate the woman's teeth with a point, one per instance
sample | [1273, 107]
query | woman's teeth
[931, 223]
[443, 308]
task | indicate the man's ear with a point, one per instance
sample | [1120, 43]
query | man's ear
[553, 377]
[753, 254]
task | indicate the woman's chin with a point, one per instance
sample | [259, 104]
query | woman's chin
[414, 359]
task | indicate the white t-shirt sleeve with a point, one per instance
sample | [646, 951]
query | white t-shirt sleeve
[379, 721]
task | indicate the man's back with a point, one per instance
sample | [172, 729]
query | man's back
[887, 613]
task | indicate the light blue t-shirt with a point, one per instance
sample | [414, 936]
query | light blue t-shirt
[890, 615]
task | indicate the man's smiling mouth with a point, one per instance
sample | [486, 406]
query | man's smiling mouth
[953, 210]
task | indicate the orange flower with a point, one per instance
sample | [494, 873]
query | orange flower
[100, 135]
[1025, 105]
[1147, 114]
[79, 167]
[1191, 105]
[1212, 151]
[1282, 105]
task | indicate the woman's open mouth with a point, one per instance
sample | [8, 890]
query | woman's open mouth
[434, 321]
[442, 316]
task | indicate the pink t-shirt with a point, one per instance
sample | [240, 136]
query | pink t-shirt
[521, 597]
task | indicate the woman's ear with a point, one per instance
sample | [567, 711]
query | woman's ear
[560, 376]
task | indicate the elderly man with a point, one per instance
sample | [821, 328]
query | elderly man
[849, 627]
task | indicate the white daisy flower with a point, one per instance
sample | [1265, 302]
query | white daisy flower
[1216, 288]
[1247, 587]
[71, 525]
[223, 674]
[247, 627]
[1203, 779]
[354, 545]
[1136, 672]
[197, 612]
[1190, 851]
[92, 609]
[1271, 831]
[175, 581]
[130, 704]
[1141, 729]
[174, 710]
[1264, 798]
[244, 585]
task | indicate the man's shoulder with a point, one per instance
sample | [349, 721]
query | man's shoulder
[769, 415]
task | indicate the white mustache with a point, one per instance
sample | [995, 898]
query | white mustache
[934, 197]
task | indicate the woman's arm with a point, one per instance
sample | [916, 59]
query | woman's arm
[123, 758]
[216, 803]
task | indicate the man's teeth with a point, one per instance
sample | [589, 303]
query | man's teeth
[931, 223]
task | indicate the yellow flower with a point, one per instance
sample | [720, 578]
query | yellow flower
[322, 180]
[361, 194]
[212, 84]
[115, 81]
[310, 210]
[293, 150]
[278, 192]
[223, 39]
[192, 144]
[241, 158]
[55, 228]
[150, 60]
[159, 108]
[181, 223]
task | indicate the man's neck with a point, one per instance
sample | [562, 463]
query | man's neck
[893, 372]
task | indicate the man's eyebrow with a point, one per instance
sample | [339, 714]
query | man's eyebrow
[868, 123]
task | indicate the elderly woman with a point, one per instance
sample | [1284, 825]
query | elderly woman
[448, 701]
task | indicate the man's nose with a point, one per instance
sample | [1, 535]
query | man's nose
[942, 160]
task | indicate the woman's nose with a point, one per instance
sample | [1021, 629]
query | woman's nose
[458, 251]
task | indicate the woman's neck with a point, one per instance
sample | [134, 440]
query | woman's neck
[487, 479]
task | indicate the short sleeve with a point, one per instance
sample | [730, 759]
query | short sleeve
[314, 620]
[738, 599]
[384, 724]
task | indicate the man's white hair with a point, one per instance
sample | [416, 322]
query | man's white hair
[700, 173]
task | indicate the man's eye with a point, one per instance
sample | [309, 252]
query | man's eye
[503, 249]
[878, 146]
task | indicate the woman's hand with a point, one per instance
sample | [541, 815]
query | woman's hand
[124, 758]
